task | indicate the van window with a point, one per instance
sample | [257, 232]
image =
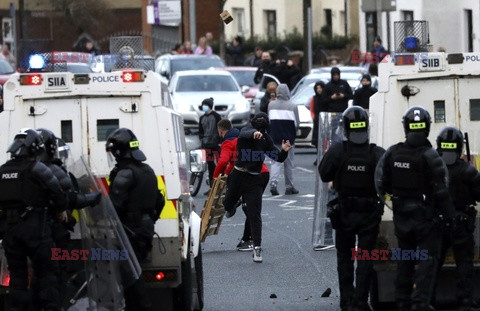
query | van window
[475, 109]
[105, 128]
[66, 129]
[439, 111]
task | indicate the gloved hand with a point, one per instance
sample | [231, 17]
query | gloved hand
[93, 198]
[89, 199]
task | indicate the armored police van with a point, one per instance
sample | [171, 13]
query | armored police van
[448, 87]
[83, 109]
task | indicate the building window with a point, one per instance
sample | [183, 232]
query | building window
[271, 21]
[439, 111]
[239, 18]
[371, 28]
[407, 15]
[475, 109]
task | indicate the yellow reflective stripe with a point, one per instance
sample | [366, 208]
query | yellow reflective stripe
[169, 211]
[356, 125]
[417, 126]
[134, 144]
[448, 146]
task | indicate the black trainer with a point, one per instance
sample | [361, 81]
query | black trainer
[291, 191]
[273, 190]
[245, 246]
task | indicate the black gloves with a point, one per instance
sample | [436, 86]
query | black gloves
[90, 199]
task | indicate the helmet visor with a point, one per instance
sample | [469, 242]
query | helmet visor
[449, 157]
[358, 137]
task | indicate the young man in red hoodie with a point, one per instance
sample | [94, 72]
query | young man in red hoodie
[228, 155]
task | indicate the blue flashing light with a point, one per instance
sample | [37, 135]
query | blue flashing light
[36, 61]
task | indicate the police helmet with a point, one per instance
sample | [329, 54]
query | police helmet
[416, 120]
[450, 144]
[260, 121]
[123, 144]
[50, 141]
[355, 124]
[26, 143]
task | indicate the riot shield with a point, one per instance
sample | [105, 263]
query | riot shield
[329, 131]
[111, 265]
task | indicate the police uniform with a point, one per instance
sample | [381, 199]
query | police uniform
[351, 167]
[28, 187]
[134, 193]
[414, 175]
[464, 188]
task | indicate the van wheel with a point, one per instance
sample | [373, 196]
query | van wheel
[182, 295]
[198, 291]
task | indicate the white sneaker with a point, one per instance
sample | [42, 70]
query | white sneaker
[257, 254]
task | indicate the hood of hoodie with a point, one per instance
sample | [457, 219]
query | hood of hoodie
[317, 84]
[231, 134]
[283, 93]
[334, 70]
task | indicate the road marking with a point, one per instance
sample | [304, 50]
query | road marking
[307, 196]
[304, 169]
[289, 204]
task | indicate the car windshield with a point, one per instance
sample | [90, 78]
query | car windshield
[5, 67]
[195, 64]
[303, 96]
[206, 83]
[244, 77]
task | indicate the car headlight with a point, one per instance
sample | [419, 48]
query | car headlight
[242, 105]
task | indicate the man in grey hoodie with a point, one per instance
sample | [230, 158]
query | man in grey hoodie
[284, 122]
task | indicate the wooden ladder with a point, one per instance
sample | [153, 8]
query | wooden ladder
[213, 210]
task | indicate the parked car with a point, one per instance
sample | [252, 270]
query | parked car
[167, 65]
[352, 77]
[244, 77]
[305, 131]
[189, 88]
[6, 70]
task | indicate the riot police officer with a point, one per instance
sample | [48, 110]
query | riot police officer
[28, 188]
[133, 191]
[464, 188]
[414, 175]
[351, 166]
[76, 200]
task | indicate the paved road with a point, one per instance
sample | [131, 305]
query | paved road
[291, 271]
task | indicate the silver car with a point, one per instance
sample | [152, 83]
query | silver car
[190, 88]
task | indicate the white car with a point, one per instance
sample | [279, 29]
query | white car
[190, 88]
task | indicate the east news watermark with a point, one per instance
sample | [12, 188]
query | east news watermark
[93, 254]
[394, 254]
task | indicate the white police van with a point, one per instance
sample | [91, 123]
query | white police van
[447, 86]
[82, 109]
